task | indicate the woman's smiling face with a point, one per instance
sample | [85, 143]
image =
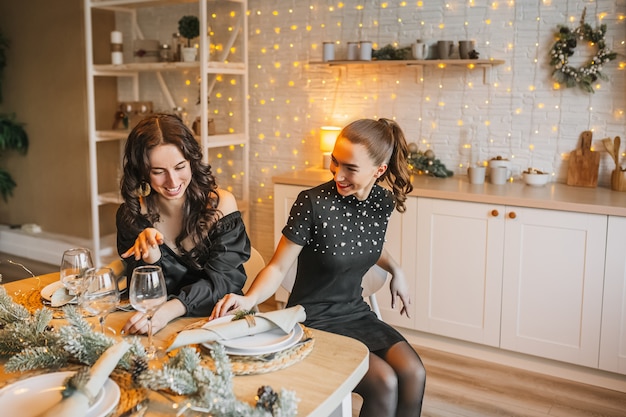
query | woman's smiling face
[353, 169]
[170, 172]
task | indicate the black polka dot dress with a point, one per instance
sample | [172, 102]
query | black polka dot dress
[342, 238]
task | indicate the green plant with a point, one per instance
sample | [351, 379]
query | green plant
[13, 137]
[189, 28]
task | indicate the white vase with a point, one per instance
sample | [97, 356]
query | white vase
[189, 54]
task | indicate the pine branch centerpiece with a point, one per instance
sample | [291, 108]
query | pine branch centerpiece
[30, 343]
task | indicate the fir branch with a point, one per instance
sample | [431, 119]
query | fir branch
[37, 358]
[10, 311]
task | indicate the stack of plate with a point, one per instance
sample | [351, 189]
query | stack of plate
[271, 341]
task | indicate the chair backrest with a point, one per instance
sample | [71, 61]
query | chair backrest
[373, 280]
[252, 266]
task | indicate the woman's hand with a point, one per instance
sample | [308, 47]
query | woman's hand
[138, 323]
[146, 246]
[231, 302]
[399, 288]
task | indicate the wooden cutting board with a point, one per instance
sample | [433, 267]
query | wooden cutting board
[583, 164]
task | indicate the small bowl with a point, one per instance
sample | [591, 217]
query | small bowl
[536, 179]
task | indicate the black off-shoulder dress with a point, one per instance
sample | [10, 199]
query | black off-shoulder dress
[222, 269]
[342, 238]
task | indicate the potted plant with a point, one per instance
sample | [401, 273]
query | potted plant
[12, 134]
[189, 28]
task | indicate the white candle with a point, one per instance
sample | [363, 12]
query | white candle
[116, 36]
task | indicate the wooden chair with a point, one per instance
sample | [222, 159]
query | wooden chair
[252, 266]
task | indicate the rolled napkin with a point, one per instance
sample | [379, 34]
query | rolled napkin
[77, 404]
[60, 297]
[284, 319]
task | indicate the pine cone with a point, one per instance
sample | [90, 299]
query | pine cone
[138, 365]
[266, 398]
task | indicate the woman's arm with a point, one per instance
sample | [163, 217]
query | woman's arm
[266, 282]
[398, 285]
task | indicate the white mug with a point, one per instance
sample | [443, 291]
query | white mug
[365, 51]
[329, 51]
[476, 175]
[498, 175]
[419, 50]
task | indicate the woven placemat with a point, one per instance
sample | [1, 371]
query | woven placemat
[251, 365]
[130, 393]
[30, 299]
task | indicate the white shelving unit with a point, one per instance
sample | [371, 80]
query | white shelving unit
[109, 84]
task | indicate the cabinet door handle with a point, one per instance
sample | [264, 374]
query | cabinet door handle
[512, 215]
[495, 213]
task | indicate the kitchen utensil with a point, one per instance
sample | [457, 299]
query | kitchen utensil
[583, 164]
[610, 146]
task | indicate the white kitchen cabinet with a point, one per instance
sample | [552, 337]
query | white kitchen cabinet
[215, 86]
[285, 196]
[458, 269]
[552, 284]
[522, 279]
[613, 331]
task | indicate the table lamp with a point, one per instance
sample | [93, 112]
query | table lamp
[328, 135]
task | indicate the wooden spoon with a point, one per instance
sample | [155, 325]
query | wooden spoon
[616, 145]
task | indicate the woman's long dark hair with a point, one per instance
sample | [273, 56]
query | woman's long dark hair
[200, 208]
[385, 144]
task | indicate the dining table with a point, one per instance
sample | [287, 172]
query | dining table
[322, 380]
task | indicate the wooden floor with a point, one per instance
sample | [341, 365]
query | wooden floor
[457, 386]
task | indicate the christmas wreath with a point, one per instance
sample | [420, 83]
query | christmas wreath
[563, 48]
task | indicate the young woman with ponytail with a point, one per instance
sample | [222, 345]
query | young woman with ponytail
[336, 232]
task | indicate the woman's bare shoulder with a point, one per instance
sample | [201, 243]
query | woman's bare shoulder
[228, 202]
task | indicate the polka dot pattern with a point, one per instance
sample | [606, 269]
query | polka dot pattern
[342, 238]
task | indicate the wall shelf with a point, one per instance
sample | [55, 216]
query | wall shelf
[484, 64]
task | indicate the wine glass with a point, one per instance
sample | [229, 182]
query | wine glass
[101, 295]
[147, 292]
[74, 263]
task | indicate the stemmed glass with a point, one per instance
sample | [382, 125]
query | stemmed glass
[101, 295]
[74, 263]
[147, 292]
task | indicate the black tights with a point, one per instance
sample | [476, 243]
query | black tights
[394, 384]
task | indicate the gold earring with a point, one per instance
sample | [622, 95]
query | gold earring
[143, 190]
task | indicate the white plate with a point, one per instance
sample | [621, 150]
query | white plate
[48, 290]
[270, 341]
[32, 396]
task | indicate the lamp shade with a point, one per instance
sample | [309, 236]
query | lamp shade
[328, 136]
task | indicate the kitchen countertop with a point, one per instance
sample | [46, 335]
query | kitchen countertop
[552, 196]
